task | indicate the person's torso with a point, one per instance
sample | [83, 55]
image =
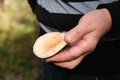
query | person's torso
[63, 15]
[71, 6]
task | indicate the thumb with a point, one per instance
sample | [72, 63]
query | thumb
[77, 33]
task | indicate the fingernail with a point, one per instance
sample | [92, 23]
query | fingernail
[69, 38]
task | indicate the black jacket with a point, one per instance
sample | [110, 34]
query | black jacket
[105, 59]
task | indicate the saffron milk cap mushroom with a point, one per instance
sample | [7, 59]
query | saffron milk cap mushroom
[49, 44]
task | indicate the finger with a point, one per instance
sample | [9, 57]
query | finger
[70, 64]
[78, 32]
[71, 53]
[86, 45]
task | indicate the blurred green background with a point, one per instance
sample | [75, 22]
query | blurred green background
[17, 36]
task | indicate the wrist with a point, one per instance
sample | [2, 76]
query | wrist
[108, 18]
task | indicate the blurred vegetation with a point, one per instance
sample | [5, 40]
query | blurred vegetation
[17, 36]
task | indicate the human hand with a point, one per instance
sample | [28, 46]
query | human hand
[83, 38]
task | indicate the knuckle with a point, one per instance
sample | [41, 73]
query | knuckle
[91, 47]
[73, 57]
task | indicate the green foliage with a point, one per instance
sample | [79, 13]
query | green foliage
[17, 36]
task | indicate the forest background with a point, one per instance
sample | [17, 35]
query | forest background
[18, 32]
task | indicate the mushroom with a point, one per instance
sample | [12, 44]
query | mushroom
[49, 44]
